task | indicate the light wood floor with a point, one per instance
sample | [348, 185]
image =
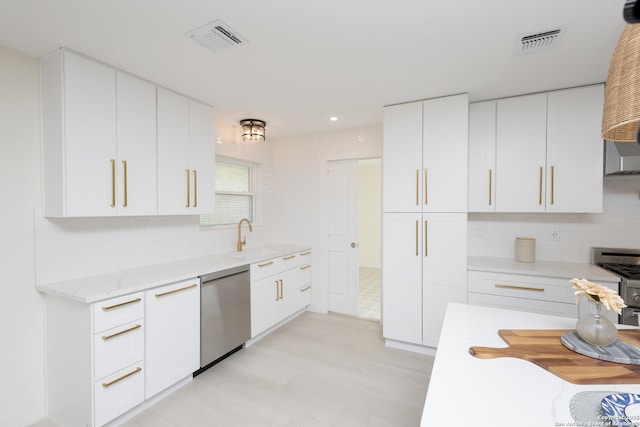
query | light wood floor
[317, 370]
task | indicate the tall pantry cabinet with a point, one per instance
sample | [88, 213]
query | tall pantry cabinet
[424, 216]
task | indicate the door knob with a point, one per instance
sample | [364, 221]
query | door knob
[354, 244]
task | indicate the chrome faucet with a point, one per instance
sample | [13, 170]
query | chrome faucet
[242, 242]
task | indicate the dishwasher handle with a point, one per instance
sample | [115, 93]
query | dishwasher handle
[223, 273]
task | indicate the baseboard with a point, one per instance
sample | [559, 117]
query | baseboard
[401, 345]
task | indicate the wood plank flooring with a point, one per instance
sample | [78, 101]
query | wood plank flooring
[317, 370]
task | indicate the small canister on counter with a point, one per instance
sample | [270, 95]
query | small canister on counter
[525, 249]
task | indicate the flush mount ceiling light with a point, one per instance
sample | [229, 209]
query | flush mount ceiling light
[334, 118]
[621, 114]
[253, 129]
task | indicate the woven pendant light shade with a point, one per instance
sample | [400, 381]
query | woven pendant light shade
[621, 115]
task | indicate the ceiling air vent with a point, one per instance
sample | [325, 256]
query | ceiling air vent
[216, 36]
[534, 43]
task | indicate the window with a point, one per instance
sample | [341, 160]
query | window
[235, 198]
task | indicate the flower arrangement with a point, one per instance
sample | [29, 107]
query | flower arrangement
[598, 293]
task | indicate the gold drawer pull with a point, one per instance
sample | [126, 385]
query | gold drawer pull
[287, 258]
[522, 288]
[122, 304]
[110, 383]
[305, 267]
[306, 288]
[265, 264]
[108, 337]
[305, 253]
[176, 290]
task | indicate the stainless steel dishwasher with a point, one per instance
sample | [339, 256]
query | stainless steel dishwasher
[225, 314]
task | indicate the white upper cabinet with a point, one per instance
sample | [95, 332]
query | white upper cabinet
[521, 153]
[482, 156]
[402, 158]
[425, 156]
[445, 153]
[574, 150]
[186, 157]
[136, 192]
[547, 149]
[78, 137]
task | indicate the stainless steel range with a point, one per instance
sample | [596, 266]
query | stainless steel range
[626, 264]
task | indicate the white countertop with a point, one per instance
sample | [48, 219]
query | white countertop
[568, 270]
[465, 390]
[109, 285]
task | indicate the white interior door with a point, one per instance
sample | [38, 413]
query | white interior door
[343, 236]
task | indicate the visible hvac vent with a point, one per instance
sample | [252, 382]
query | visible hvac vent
[216, 36]
[534, 43]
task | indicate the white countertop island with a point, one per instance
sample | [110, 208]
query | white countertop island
[465, 390]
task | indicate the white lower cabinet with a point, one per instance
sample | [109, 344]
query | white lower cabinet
[173, 334]
[535, 294]
[424, 260]
[279, 288]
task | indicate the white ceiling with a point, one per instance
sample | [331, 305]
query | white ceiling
[309, 59]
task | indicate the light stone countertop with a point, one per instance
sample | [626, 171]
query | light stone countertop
[119, 283]
[568, 270]
[465, 390]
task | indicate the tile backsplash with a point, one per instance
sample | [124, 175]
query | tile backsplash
[493, 234]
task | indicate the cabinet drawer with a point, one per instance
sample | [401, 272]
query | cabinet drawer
[117, 393]
[304, 295]
[519, 286]
[117, 311]
[116, 348]
[265, 268]
[522, 304]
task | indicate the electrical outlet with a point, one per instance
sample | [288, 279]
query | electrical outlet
[554, 234]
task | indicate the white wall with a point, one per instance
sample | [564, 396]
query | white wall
[21, 309]
[618, 227]
[300, 190]
[370, 212]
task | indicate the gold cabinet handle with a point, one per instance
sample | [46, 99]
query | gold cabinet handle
[110, 383]
[124, 176]
[188, 189]
[417, 237]
[287, 258]
[108, 337]
[122, 304]
[540, 197]
[417, 187]
[281, 289]
[426, 237]
[265, 264]
[277, 290]
[113, 183]
[305, 267]
[553, 184]
[176, 290]
[522, 288]
[426, 186]
[306, 288]
[195, 188]
[490, 185]
[305, 253]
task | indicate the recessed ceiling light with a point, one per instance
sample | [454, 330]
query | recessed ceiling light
[334, 118]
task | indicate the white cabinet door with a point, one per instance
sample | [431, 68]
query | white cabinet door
[186, 155]
[174, 174]
[89, 138]
[482, 156]
[402, 251]
[402, 158]
[173, 334]
[136, 146]
[521, 153]
[288, 295]
[444, 270]
[445, 154]
[264, 295]
[202, 157]
[575, 150]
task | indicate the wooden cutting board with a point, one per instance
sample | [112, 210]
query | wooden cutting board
[543, 347]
